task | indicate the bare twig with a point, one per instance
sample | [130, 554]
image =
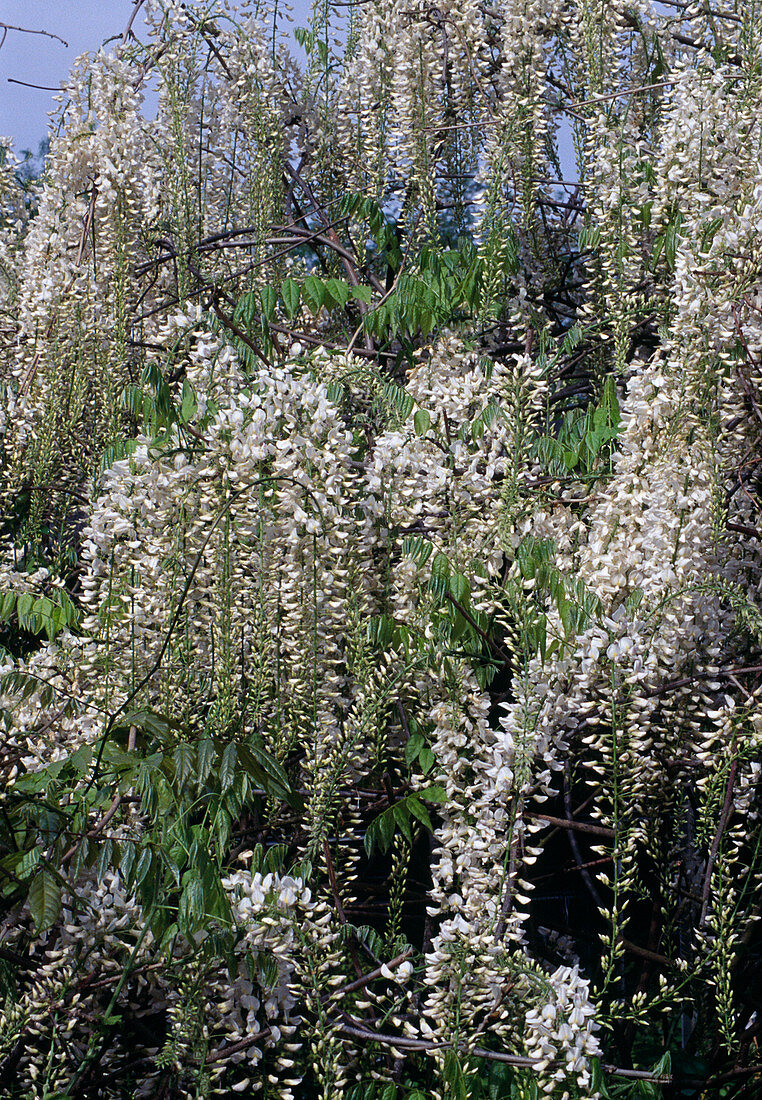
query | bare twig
[128, 32]
[644, 952]
[27, 30]
[686, 681]
[361, 982]
[578, 826]
[40, 87]
[356, 1029]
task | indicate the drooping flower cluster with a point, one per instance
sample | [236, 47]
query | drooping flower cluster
[562, 1033]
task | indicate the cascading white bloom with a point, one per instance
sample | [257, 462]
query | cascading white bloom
[561, 1035]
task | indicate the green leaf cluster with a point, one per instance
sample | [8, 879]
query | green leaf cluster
[192, 789]
[583, 443]
[402, 815]
[444, 288]
[48, 615]
[153, 406]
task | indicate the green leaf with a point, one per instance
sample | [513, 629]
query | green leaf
[20, 684]
[426, 759]
[81, 759]
[26, 862]
[421, 421]
[633, 601]
[460, 589]
[419, 811]
[414, 745]
[402, 818]
[657, 250]
[339, 291]
[362, 294]
[291, 295]
[58, 619]
[434, 793]
[133, 401]
[143, 865]
[336, 392]
[313, 292]
[566, 610]
[275, 858]
[440, 566]
[191, 901]
[227, 766]
[45, 900]
[42, 606]
[171, 864]
[401, 402]
[386, 825]
[709, 232]
[664, 1066]
[589, 237]
[150, 722]
[380, 630]
[440, 575]
[268, 297]
[183, 761]
[24, 605]
[189, 405]
[127, 861]
[206, 757]
[418, 548]
[266, 969]
[467, 293]
[371, 837]
[246, 310]
[671, 239]
[104, 860]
